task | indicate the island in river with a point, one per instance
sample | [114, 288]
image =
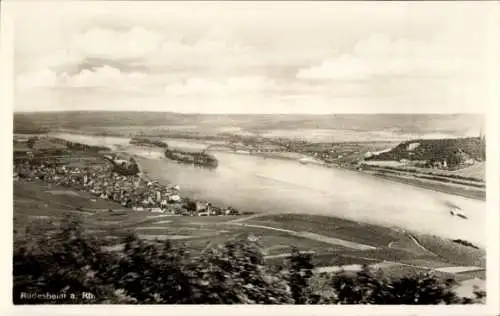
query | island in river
[143, 141]
[196, 158]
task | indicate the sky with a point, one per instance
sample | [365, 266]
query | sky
[256, 57]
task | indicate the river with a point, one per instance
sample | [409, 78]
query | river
[270, 185]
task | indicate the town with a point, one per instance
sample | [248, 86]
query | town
[110, 177]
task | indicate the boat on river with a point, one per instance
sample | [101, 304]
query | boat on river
[455, 211]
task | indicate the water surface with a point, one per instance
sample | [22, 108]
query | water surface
[272, 185]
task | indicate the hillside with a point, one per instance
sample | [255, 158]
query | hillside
[453, 151]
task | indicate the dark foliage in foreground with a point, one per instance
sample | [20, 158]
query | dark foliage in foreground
[70, 261]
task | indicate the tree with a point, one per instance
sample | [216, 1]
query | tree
[300, 271]
[66, 262]
[365, 287]
[190, 205]
[234, 273]
[151, 273]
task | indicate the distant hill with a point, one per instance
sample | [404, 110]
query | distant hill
[82, 119]
[453, 151]
[458, 125]
[27, 125]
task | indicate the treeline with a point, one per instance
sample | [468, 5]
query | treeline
[147, 142]
[196, 158]
[79, 146]
[432, 150]
[71, 261]
[31, 143]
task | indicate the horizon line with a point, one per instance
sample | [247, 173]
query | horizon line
[250, 113]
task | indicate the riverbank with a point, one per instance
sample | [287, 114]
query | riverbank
[289, 156]
[463, 191]
[436, 186]
[440, 186]
[470, 192]
[450, 186]
[268, 185]
[115, 179]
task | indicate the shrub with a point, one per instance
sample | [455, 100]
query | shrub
[66, 262]
[300, 271]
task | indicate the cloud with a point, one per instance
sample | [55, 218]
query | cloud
[224, 87]
[155, 50]
[43, 78]
[152, 47]
[102, 77]
[381, 56]
[316, 58]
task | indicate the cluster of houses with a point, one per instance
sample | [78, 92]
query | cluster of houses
[131, 191]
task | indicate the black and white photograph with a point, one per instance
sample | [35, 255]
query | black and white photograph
[253, 152]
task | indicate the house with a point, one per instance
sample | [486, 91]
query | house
[174, 198]
[251, 237]
[201, 206]
[163, 203]
[412, 146]
[231, 211]
[121, 162]
[469, 162]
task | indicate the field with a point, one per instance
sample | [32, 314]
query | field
[477, 171]
[333, 241]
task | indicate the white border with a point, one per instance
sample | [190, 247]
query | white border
[493, 192]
